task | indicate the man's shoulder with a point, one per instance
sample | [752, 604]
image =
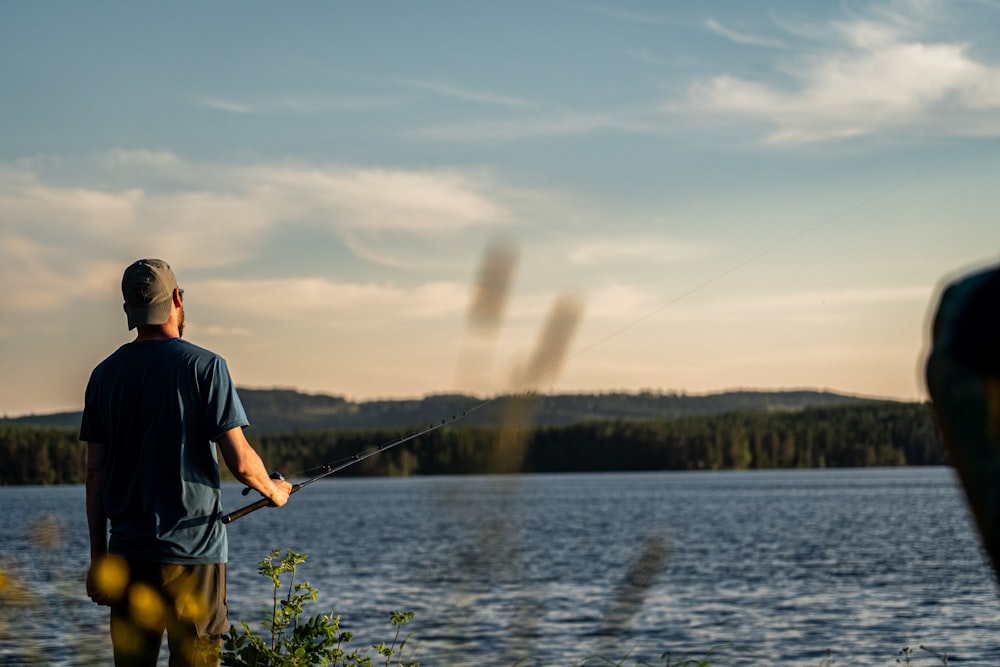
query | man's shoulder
[112, 358]
[176, 349]
[187, 347]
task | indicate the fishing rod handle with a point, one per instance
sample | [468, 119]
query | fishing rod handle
[243, 511]
[253, 507]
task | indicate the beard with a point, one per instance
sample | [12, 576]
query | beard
[180, 323]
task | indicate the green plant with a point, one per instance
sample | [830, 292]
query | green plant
[294, 642]
[907, 652]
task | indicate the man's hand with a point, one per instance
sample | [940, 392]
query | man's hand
[107, 579]
[94, 591]
[246, 466]
[280, 493]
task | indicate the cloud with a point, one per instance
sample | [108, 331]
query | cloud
[635, 304]
[217, 331]
[891, 72]
[551, 123]
[28, 202]
[323, 302]
[621, 302]
[127, 197]
[41, 213]
[648, 57]
[636, 249]
[295, 104]
[817, 305]
[224, 105]
[160, 160]
[742, 38]
[618, 13]
[469, 95]
[206, 229]
[46, 233]
[65, 225]
[38, 277]
[883, 75]
[383, 199]
[894, 71]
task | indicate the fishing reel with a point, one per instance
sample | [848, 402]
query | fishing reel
[274, 475]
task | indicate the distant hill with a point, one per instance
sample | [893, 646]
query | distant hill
[284, 410]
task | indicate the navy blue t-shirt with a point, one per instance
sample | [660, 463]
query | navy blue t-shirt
[158, 406]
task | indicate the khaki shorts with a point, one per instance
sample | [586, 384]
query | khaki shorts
[186, 601]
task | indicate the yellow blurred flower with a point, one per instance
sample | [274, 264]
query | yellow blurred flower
[146, 606]
[110, 576]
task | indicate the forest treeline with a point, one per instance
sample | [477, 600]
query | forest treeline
[286, 410]
[868, 434]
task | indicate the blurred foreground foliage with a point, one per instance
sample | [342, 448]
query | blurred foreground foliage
[871, 434]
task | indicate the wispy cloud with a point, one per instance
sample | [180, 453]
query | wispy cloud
[219, 215]
[619, 301]
[742, 37]
[819, 305]
[636, 249]
[39, 277]
[139, 158]
[648, 57]
[217, 331]
[629, 302]
[619, 13]
[382, 199]
[294, 104]
[296, 299]
[550, 123]
[219, 104]
[886, 74]
[468, 94]
[890, 72]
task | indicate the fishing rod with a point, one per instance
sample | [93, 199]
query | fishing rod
[330, 468]
[548, 356]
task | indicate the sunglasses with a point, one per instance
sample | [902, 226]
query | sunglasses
[180, 293]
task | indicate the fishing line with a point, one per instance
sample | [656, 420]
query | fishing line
[550, 342]
[540, 365]
[336, 466]
[961, 157]
[549, 354]
[346, 461]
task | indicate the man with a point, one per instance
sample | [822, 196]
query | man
[963, 379]
[153, 413]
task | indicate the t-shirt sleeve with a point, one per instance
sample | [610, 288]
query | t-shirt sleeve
[91, 424]
[223, 410]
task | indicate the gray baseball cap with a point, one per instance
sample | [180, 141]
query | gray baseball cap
[148, 288]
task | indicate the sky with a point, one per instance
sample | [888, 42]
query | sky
[707, 196]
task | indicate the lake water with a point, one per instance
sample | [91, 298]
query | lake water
[764, 568]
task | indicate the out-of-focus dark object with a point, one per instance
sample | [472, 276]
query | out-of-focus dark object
[963, 379]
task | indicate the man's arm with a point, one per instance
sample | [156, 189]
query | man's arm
[97, 518]
[247, 467]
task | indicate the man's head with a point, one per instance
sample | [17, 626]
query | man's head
[148, 287]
